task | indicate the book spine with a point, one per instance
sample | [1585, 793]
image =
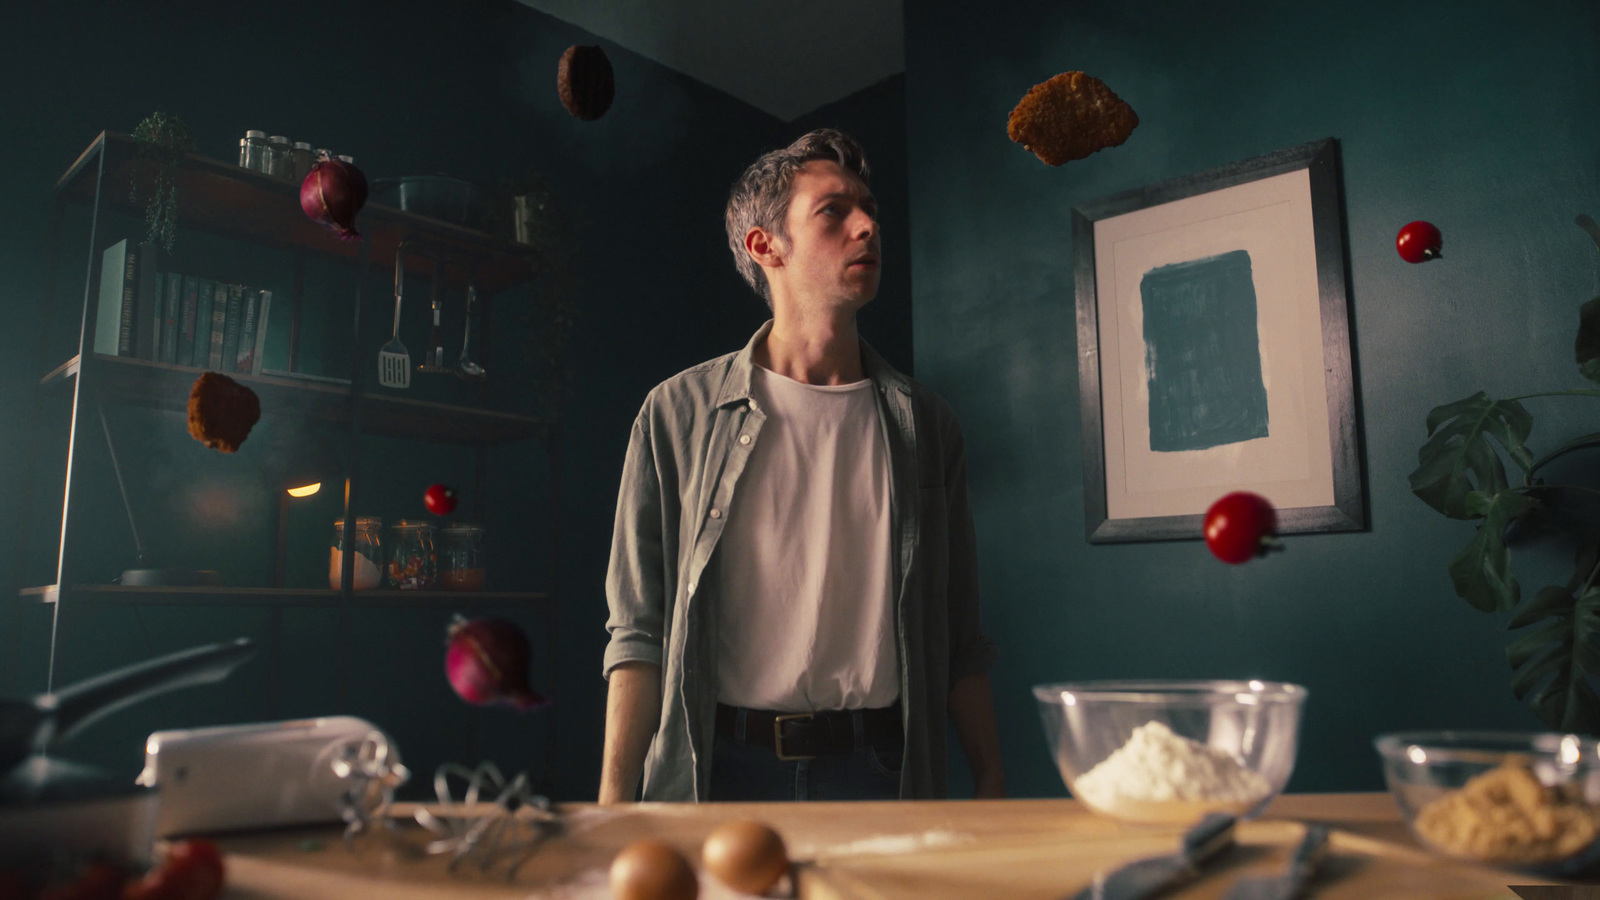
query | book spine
[169, 317]
[219, 324]
[232, 328]
[202, 323]
[242, 360]
[147, 329]
[130, 300]
[109, 313]
[259, 355]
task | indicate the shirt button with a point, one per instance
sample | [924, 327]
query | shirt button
[752, 406]
[716, 514]
[744, 438]
[692, 586]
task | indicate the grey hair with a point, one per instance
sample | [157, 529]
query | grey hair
[760, 198]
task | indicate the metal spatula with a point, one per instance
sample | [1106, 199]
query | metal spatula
[394, 363]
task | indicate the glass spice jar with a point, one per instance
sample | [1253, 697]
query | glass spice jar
[461, 558]
[279, 163]
[253, 151]
[301, 155]
[368, 558]
[413, 564]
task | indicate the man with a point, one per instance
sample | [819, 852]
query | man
[793, 584]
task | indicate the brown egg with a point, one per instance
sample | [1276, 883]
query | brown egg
[648, 869]
[746, 856]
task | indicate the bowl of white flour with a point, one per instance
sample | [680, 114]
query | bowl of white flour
[1172, 751]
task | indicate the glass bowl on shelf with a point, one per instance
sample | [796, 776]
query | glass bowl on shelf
[1170, 752]
[1527, 801]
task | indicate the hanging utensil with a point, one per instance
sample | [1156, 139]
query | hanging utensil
[465, 367]
[433, 358]
[394, 362]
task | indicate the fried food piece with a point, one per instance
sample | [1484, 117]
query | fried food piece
[584, 82]
[1069, 117]
[222, 411]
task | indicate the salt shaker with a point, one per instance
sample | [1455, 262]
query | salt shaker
[253, 151]
[279, 164]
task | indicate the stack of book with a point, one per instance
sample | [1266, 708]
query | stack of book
[170, 317]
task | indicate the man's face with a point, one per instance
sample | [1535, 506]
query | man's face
[832, 256]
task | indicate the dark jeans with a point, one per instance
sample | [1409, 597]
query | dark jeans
[742, 771]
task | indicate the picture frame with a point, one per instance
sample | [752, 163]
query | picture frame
[1214, 354]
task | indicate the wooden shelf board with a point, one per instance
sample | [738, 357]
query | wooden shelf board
[222, 198]
[159, 385]
[305, 597]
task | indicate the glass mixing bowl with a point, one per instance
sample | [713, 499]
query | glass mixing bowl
[1172, 751]
[1517, 800]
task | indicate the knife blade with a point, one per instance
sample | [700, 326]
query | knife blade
[1292, 883]
[1149, 877]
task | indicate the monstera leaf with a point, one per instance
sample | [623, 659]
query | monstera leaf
[1552, 664]
[1459, 458]
[1481, 572]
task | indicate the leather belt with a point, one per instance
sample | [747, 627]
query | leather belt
[795, 736]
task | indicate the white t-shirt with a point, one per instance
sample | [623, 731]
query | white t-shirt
[807, 619]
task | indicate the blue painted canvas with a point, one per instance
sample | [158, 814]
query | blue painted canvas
[1202, 359]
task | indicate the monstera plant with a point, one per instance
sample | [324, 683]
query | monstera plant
[1462, 474]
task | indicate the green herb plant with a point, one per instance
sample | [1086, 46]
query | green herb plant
[163, 140]
[1461, 474]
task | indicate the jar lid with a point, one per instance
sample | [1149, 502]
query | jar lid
[302, 145]
[410, 525]
[255, 134]
[348, 159]
[361, 522]
[463, 527]
[279, 139]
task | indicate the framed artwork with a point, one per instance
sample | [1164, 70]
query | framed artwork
[1214, 349]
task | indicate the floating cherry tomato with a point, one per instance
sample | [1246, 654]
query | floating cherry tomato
[1419, 242]
[440, 499]
[192, 871]
[1238, 526]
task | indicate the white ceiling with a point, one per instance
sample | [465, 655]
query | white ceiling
[786, 57]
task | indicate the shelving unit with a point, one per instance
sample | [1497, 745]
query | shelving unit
[224, 200]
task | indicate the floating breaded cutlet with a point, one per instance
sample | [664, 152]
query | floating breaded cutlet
[1069, 117]
[222, 411]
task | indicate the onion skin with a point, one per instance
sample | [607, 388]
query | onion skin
[332, 193]
[487, 662]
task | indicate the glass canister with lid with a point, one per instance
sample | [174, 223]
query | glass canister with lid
[413, 564]
[368, 558]
[461, 564]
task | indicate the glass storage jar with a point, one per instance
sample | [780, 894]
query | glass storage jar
[279, 163]
[461, 558]
[253, 151]
[368, 561]
[301, 155]
[412, 560]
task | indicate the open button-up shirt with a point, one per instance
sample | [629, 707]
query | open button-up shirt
[688, 449]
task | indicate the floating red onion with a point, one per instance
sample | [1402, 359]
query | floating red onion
[333, 192]
[488, 662]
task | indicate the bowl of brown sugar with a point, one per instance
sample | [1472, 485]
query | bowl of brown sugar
[1526, 801]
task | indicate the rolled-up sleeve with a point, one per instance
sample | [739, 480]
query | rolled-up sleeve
[635, 582]
[971, 651]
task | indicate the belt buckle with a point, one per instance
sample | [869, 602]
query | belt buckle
[777, 734]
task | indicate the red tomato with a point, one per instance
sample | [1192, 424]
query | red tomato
[1419, 242]
[1237, 524]
[440, 499]
[192, 871]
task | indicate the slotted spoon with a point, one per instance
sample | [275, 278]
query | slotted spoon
[394, 362]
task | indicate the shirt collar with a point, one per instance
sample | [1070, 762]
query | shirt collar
[736, 386]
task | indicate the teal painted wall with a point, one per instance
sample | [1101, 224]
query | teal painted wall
[405, 87]
[1481, 118]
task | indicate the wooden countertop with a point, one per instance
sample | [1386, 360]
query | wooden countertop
[931, 850]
